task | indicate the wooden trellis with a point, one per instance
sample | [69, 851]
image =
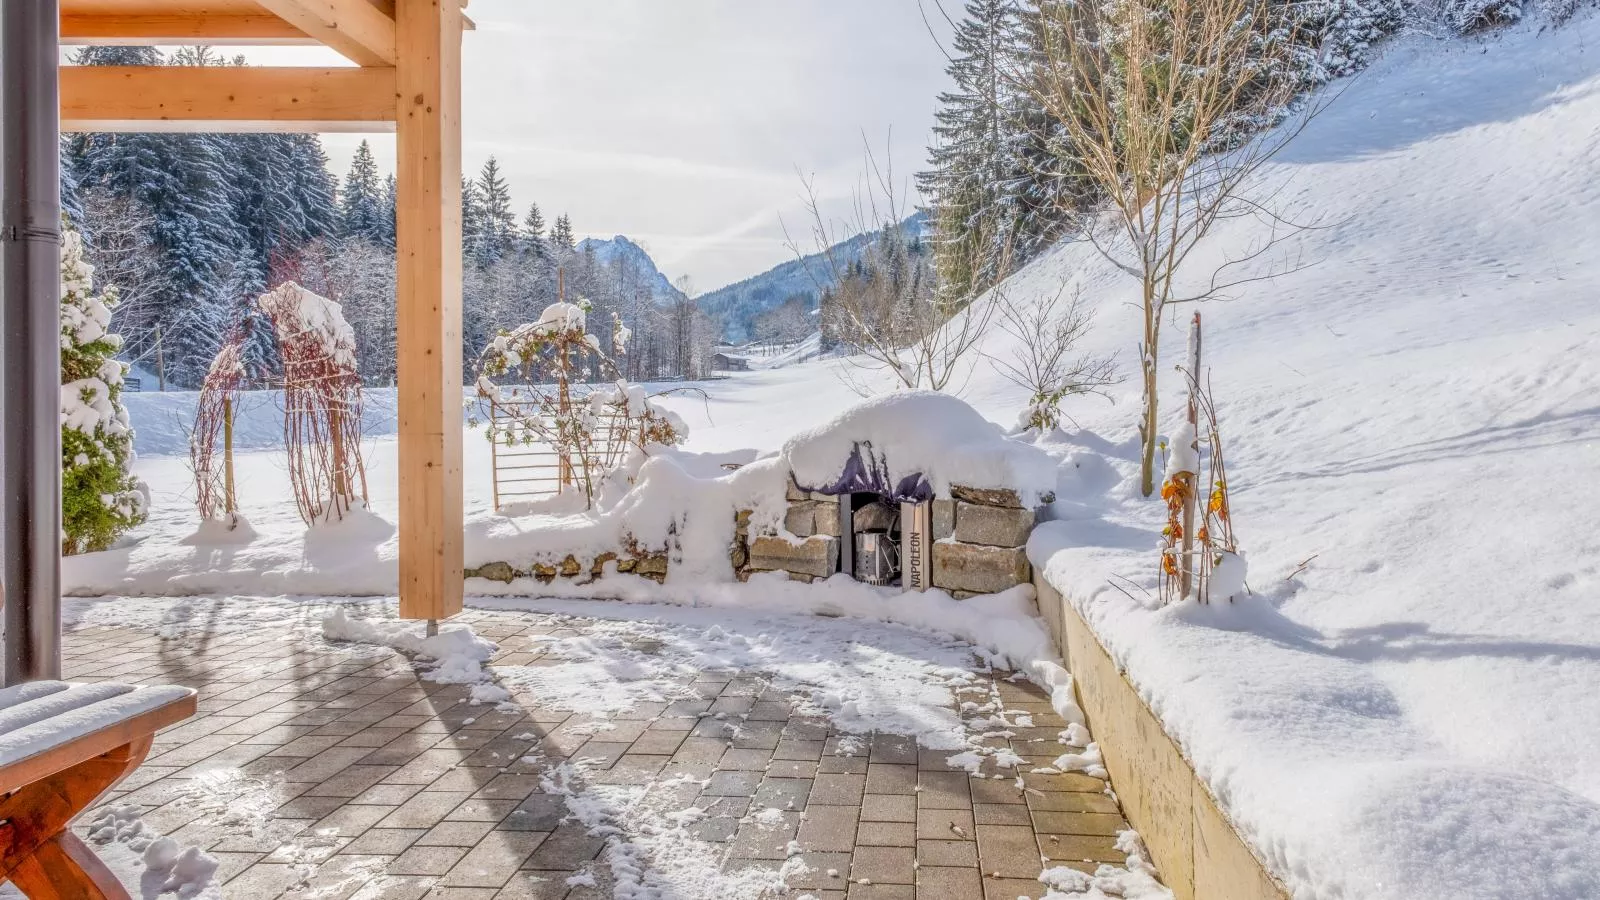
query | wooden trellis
[528, 470]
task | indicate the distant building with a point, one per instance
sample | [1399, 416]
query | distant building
[723, 362]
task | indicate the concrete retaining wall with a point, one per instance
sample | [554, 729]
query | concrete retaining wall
[1196, 850]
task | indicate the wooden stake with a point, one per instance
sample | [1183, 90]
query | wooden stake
[1186, 566]
[229, 502]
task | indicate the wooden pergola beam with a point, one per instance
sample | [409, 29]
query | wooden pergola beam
[158, 29]
[226, 98]
[428, 300]
[355, 28]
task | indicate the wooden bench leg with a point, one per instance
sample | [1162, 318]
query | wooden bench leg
[38, 851]
[64, 868]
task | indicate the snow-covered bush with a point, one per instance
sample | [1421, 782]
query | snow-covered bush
[321, 400]
[591, 434]
[100, 499]
[1044, 361]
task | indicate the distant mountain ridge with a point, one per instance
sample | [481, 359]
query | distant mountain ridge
[736, 306]
[621, 247]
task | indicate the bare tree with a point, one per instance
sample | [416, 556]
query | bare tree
[125, 257]
[885, 305]
[1164, 104]
[1047, 329]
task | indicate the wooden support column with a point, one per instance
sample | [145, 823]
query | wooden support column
[428, 239]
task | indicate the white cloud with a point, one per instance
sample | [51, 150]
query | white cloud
[683, 123]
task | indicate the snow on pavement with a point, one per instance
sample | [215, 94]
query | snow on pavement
[602, 658]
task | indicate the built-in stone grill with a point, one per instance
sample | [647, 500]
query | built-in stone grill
[971, 543]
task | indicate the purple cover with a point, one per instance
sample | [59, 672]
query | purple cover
[867, 471]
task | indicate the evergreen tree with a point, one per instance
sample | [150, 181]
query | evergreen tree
[314, 187]
[391, 198]
[361, 201]
[472, 224]
[974, 214]
[533, 224]
[561, 236]
[71, 199]
[498, 223]
[99, 497]
[1046, 186]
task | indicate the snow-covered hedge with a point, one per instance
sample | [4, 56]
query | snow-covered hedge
[99, 497]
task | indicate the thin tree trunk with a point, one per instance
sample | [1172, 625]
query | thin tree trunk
[1147, 365]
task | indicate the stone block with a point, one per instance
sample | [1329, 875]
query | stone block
[993, 526]
[794, 492]
[827, 519]
[738, 554]
[741, 522]
[816, 556]
[801, 518]
[987, 496]
[823, 498]
[495, 571]
[944, 519]
[981, 570]
[654, 564]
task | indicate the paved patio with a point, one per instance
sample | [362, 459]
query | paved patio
[316, 772]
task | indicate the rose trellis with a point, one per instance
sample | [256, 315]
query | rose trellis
[567, 394]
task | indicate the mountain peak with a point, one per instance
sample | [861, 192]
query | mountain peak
[622, 250]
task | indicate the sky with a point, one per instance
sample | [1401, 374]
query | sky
[687, 124]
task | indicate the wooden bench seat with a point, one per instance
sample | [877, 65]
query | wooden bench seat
[61, 747]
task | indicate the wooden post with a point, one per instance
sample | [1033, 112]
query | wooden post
[229, 501]
[1186, 566]
[428, 244]
[161, 364]
[341, 484]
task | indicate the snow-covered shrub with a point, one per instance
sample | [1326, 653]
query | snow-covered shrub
[1465, 16]
[321, 400]
[1045, 362]
[100, 499]
[591, 434]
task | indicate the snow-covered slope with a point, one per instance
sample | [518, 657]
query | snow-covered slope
[758, 356]
[1407, 706]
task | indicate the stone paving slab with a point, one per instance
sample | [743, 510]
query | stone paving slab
[332, 773]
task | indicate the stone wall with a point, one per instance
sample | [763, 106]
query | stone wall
[647, 565]
[979, 537]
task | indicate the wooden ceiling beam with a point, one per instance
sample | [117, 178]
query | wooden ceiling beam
[355, 28]
[157, 29]
[227, 98]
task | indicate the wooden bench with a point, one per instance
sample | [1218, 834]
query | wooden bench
[62, 746]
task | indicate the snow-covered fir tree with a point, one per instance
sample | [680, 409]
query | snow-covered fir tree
[498, 224]
[967, 185]
[361, 213]
[391, 198]
[533, 223]
[561, 236]
[100, 499]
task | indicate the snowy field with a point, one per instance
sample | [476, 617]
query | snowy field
[1405, 706]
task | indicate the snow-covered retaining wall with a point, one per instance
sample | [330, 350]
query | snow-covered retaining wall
[1197, 850]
